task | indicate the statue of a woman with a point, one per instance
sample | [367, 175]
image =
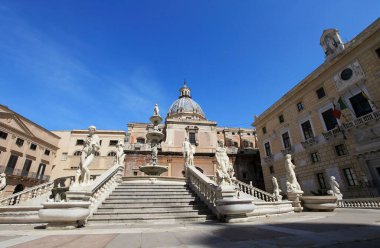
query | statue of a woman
[276, 189]
[223, 164]
[335, 188]
[3, 181]
[91, 146]
[292, 183]
[156, 110]
[186, 150]
[154, 154]
[120, 155]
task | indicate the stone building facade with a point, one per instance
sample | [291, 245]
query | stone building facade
[27, 151]
[329, 121]
[70, 149]
[186, 118]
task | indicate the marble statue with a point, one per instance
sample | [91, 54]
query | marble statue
[223, 165]
[156, 110]
[90, 147]
[154, 154]
[120, 155]
[335, 188]
[191, 154]
[187, 149]
[291, 183]
[3, 181]
[276, 189]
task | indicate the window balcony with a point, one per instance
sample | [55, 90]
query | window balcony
[309, 142]
[363, 120]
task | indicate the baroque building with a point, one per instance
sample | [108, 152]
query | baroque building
[329, 122]
[27, 151]
[186, 118]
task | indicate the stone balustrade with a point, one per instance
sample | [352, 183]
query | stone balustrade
[253, 191]
[360, 203]
[203, 186]
[362, 120]
[27, 194]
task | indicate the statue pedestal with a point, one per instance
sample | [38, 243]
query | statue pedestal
[229, 207]
[294, 197]
[64, 215]
[320, 203]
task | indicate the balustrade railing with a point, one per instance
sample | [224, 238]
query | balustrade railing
[27, 194]
[362, 120]
[203, 186]
[360, 203]
[103, 185]
[253, 191]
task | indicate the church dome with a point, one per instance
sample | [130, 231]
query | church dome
[185, 107]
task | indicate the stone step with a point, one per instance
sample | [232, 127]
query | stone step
[151, 193]
[149, 204]
[146, 191]
[151, 201]
[151, 186]
[139, 212]
[152, 197]
[176, 220]
[121, 208]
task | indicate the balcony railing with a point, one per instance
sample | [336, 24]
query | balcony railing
[288, 150]
[26, 174]
[362, 120]
[309, 142]
[332, 133]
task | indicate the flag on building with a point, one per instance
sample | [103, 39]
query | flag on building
[342, 104]
[337, 113]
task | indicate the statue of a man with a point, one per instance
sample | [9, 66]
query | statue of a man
[154, 154]
[156, 110]
[191, 154]
[120, 155]
[292, 183]
[91, 146]
[276, 189]
[335, 188]
[3, 181]
[223, 165]
[186, 150]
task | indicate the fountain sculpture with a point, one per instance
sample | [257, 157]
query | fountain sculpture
[154, 137]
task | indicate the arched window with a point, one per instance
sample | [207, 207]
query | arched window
[77, 153]
[111, 154]
[97, 154]
[140, 140]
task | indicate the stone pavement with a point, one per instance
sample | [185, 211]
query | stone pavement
[341, 228]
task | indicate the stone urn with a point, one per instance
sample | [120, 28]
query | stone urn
[320, 203]
[64, 215]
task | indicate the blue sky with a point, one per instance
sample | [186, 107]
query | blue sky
[68, 64]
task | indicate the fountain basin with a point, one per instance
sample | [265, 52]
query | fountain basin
[153, 170]
[155, 136]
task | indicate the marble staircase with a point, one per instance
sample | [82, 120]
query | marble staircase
[132, 203]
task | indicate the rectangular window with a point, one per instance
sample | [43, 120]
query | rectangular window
[135, 173]
[192, 138]
[79, 142]
[264, 130]
[329, 119]
[11, 164]
[378, 52]
[64, 156]
[271, 169]
[320, 93]
[300, 106]
[281, 118]
[321, 181]
[307, 131]
[41, 171]
[350, 177]
[267, 149]
[314, 157]
[33, 147]
[3, 135]
[360, 104]
[26, 168]
[286, 140]
[114, 142]
[19, 142]
[47, 152]
[341, 150]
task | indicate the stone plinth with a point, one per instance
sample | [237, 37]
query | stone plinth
[294, 197]
[64, 215]
[231, 208]
[320, 203]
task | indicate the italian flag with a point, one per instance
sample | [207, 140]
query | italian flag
[337, 111]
